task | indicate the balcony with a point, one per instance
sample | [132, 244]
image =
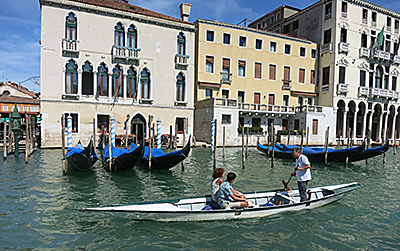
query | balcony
[266, 109]
[388, 29]
[286, 84]
[342, 89]
[365, 21]
[326, 48]
[344, 14]
[396, 59]
[125, 53]
[344, 47]
[380, 55]
[226, 102]
[383, 93]
[182, 60]
[364, 52]
[363, 91]
[396, 30]
[226, 78]
[70, 46]
[373, 23]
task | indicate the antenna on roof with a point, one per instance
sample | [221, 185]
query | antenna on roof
[244, 21]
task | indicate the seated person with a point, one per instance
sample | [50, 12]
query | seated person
[228, 197]
[216, 182]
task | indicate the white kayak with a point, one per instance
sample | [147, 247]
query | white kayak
[263, 203]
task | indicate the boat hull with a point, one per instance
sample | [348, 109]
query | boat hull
[191, 209]
[125, 161]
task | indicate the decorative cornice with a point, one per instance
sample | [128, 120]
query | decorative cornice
[344, 24]
[343, 62]
[376, 7]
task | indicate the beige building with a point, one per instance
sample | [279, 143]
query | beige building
[110, 58]
[252, 78]
[358, 75]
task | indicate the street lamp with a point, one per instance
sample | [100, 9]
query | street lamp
[16, 127]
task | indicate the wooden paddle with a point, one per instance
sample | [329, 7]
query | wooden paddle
[286, 184]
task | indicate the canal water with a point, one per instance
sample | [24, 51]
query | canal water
[41, 209]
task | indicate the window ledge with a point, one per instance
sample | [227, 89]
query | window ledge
[181, 103]
[146, 101]
[70, 96]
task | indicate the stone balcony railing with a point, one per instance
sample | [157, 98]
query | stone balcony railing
[344, 14]
[380, 55]
[69, 45]
[182, 60]
[125, 53]
[377, 93]
[326, 48]
[364, 52]
[373, 24]
[396, 59]
[363, 91]
[343, 88]
[364, 21]
[344, 47]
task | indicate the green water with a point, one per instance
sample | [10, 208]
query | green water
[41, 208]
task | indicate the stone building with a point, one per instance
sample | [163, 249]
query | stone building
[358, 66]
[247, 77]
[110, 58]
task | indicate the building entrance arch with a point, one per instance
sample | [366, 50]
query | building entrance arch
[138, 128]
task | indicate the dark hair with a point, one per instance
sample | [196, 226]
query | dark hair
[231, 176]
[218, 173]
[295, 149]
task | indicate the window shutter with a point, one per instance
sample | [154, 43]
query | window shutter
[315, 127]
[226, 63]
[242, 63]
[210, 59]
[312, 77]
[286, 73]
[256, 98]
[301, 76]
[272, 72]
[257, 70]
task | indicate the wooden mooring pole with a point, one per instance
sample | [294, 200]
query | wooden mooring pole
[5, 140]
[94, 134]
[308, 133]
[215, 145]
[394, 142]
[247, 140]
[63, 142]
[27, 134]
[223, 142]
[273, 144]
[243, 156]
[184, 141]
[109, 145]
[326, 145]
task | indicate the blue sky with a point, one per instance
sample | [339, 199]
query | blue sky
[20, 26]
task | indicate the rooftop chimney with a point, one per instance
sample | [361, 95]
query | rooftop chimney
[185, 11]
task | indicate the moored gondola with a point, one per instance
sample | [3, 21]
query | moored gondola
[81, 158]
[369, 152]
[122, 159]
[161, 160]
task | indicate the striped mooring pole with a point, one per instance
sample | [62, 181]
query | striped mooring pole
[212, 135]
[69, 128]
[113, 131]
[158, 133]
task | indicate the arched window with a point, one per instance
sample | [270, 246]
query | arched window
[145, 84]
[102, 80]
[117, 83]
[181, 42]
[71, 27]
[180, 87]
[131, 83]
[71, 78]
[132, 37]
[119, 35]
[87, 79]
[378, 77]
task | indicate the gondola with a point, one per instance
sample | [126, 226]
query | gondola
[315, 154]
[369, 152]
[81, 158]
[263, 203]
[161, 160]
[277, 152]
[122, 158]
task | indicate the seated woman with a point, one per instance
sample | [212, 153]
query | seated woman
[216, 182]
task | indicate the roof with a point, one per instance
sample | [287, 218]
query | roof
[264, 32]
[278, 8]
[124, 6]
[18, 100]
[23, 89]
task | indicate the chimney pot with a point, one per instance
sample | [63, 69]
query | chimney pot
[185, 11]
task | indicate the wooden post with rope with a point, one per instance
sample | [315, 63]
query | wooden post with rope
[273, 144]
[109, 145]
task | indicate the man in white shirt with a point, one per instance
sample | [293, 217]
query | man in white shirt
[302, 171]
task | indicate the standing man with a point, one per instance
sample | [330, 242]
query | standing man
[303, 172]
[227, 197]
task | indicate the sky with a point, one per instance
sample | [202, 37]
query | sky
[20, 26]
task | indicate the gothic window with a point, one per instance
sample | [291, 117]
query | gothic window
[71, 78]
[132, 37]
[131, 83]
[71, 27]
[87, 79]
[181, 42]
[378, 77]
[180, 87]
[102, 80]
[117, 83]
[145, 84]
[119, 35]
